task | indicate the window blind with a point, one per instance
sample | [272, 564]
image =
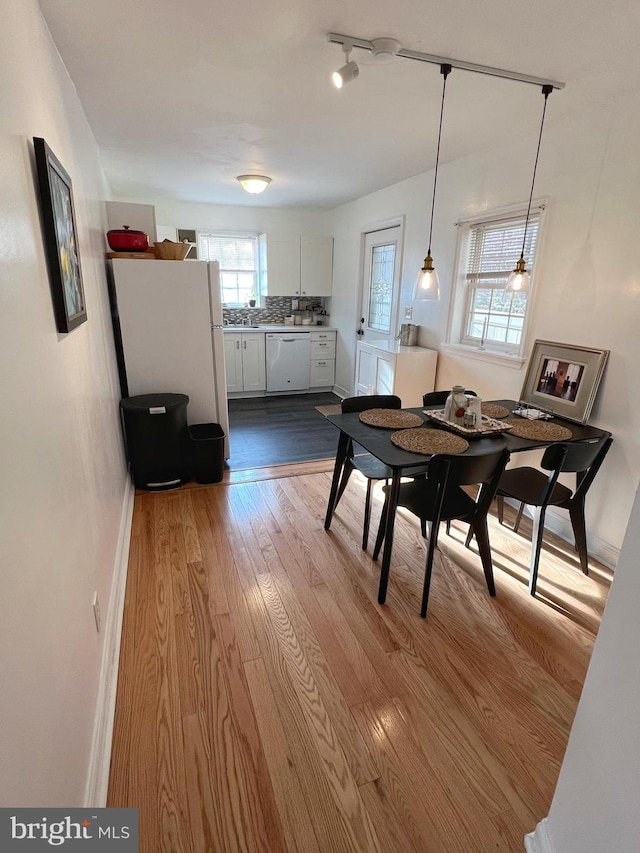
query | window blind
[235, 253]
[494, 248]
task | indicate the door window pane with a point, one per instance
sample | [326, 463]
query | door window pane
[381, 287]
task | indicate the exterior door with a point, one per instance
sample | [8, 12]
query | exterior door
[380, 285]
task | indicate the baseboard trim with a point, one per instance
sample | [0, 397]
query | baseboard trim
[539, 841]
[100, 759]
[340, 392]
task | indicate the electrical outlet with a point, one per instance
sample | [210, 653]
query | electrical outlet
[408, 312]
[96, 611]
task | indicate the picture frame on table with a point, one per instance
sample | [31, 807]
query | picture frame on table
[61, 238]
[563, 379]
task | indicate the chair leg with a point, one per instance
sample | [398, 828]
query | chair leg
[518, 518]
[448, 528]
[467, 541]
[481, 531]
[536, 545]
[346, 473]
[367, 516]
[423, 528]
[576, 513]
[380, 537]
[433, 541]
[500, 504]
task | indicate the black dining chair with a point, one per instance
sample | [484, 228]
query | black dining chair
[440, 497]
[360, 460]
[533, 487]
[439, 398]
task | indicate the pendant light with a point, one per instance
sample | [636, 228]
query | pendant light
[427, 285]
[519, 280]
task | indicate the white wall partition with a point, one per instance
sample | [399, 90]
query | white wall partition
[64, 482]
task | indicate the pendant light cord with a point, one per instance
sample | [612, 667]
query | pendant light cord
[546, 91]
[445, 70]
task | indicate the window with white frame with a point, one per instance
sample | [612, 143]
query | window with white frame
[485, 315]
[238, 258]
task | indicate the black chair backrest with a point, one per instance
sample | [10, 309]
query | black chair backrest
[439, 398]
[448, 470]
[583, 458]
[573, 456]
[374, 401]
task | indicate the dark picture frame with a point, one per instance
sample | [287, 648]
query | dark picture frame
[563, 379]
[61, 238]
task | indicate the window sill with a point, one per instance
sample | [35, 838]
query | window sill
[513, 361]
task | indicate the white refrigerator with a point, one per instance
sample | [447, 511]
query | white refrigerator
[167, 318]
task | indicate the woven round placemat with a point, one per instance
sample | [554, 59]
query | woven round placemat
[390, 418]
[538, 430]
[429, 441]
[493, 410]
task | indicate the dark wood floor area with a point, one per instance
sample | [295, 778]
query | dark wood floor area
[266, 702]
[279, 430]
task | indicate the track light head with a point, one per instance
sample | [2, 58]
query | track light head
[349, 70]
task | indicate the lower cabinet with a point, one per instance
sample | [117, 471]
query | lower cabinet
[323, 360]
[245, 362]
[383, 368]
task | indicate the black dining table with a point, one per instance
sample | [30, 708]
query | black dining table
[377, 441]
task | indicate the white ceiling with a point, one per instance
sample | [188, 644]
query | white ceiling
[184, 97]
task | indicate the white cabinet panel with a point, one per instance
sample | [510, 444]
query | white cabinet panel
[245, 362]
[323, 373]
[408, 372]
[295, 265]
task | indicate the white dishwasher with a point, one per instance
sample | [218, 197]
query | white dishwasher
[288, 360]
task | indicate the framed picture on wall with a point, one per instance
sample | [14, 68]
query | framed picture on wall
[61, 240]
[563, 379]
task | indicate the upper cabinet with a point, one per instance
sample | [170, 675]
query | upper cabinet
[296, 266]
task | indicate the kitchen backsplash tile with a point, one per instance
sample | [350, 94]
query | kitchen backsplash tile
[275, 309]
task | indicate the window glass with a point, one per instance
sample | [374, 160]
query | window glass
[491, 248]
[381, 287]
[238, 258]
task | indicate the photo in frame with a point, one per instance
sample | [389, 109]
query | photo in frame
[61, 240]
[563, 379]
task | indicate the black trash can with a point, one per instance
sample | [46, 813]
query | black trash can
[157, 436]
[207, 452]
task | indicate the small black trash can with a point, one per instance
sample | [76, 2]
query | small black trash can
[155, 427]
[207, 452]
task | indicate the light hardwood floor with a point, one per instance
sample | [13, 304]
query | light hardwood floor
[267, 702]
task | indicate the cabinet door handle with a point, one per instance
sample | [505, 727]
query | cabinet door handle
[237, 344]
[245, 344]
[322, 362]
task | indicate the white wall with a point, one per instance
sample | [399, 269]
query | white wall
[588, 285]
[63, 471]
[595, 806]
[276, 221]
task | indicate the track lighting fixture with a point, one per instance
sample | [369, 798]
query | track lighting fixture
[254, 184]
[349, 70]
[427, 285]
[519, 280]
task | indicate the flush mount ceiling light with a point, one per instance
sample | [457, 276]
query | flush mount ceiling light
[349, 70]
[254, 184]
[427, 285]
[519, 280]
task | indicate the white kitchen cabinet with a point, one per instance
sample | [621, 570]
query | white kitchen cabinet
[245, 362]
[322, 372]
[388, 368]
[296, 265]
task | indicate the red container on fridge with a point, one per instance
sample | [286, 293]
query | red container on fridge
[127, 240]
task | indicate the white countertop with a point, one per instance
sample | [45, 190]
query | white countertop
[278, 327]
[392, 346]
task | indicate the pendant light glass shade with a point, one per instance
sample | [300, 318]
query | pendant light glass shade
[520, 279]
[427, 285]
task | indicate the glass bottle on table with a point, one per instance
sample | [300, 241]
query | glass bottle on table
[456, 405]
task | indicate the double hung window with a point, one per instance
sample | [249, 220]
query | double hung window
[238, 258]
[486, 316]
